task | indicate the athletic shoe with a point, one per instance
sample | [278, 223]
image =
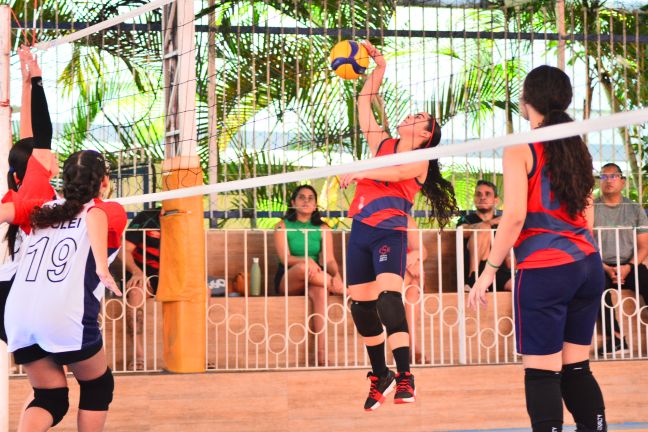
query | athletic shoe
[613, 347]
[405, 391]
[380, 387]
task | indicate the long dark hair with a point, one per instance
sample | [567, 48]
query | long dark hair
[18, 157]
[83, 173]
[568, 161]
[291, 213]
[438, 191]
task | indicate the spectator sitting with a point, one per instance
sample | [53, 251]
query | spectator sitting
[316, 266]
[477, 244]
[612, 209]
[142, 240]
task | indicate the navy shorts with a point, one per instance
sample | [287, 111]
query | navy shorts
[372, 251]
[557, 304]
[34, 352]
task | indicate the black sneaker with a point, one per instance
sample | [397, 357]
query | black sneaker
[405, 391]
[380, 387]
[615, 346]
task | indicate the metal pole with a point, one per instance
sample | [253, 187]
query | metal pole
[560, 21]
[5, 146]
[212, 109]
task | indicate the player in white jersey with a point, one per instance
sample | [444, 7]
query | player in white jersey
[52, 309]
[31, 166]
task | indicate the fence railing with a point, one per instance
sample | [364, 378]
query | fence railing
[280, 328]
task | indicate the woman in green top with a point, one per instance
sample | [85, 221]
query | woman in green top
[305, 247]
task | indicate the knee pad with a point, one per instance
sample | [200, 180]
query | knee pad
[583, 397]
[97, 394]
[54, 401]
[392, 312]
[543, 399]
[365, 317]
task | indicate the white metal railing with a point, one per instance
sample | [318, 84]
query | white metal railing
[281, 331]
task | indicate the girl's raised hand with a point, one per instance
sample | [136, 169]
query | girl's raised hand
[374, 53]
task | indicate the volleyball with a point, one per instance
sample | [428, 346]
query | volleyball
[349, 59]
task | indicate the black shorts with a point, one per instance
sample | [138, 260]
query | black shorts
[34, 352]
[502, 276]
[281, 271]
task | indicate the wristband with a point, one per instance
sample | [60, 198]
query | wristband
[492, 265]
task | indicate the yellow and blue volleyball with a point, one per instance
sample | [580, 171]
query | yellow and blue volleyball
[349, 59]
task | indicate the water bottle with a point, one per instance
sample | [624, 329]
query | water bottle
[255, 278]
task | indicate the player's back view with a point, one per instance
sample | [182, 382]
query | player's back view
[62, 317]
[52, 310]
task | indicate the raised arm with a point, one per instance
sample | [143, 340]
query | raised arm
[373, 132]
[25, 104]
[41, 122]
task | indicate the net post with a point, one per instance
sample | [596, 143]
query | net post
[182, 265]
[5, 145]
[461, 308]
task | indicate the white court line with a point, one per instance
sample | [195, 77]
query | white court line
[537, 135]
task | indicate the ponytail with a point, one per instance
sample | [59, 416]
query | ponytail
[438, 191]
[83, 173]
[569, 167]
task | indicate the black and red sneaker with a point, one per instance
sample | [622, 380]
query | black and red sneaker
[405, 391]
[381, 386]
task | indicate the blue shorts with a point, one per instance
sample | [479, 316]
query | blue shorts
[557, 304]
[372, 251]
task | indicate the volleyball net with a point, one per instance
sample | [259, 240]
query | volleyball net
[264, 101]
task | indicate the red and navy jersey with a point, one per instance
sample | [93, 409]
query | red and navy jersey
[35, 190]
[549, 237]
[384, 204]
[143, 230]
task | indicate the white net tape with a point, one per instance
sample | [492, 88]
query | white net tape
[538, 135]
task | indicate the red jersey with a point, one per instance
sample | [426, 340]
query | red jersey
[384, 204]
[116, 221]
[549, 237]
[35, 190]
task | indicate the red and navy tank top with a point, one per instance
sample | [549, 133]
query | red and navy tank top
[384, 204]
[549, 237]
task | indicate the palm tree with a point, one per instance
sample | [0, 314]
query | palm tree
[618, 68]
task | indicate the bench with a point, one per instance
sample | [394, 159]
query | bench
[230, 252]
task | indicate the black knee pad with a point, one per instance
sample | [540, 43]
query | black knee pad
[583, 397]
[392, 312]
[97, 394]
[543, 399]
[365, 317]
[54, 401]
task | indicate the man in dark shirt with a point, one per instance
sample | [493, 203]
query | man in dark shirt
[142, 261]
[477, 244]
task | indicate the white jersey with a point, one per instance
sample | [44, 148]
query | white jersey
[10, 266]
[56, 293]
